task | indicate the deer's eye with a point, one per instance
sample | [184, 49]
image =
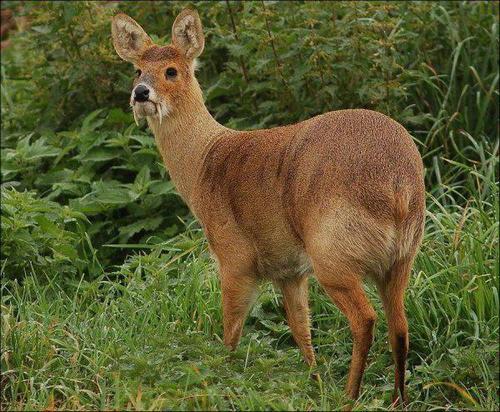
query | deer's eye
[170, 73]
[138, 73]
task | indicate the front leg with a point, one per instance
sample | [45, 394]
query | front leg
[238, 293]
[239, 283]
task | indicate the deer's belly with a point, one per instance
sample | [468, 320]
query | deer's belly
[282, 264]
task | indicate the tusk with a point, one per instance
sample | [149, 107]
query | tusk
[135, 118]
[158, 110]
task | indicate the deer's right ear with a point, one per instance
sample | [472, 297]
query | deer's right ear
[129, 39]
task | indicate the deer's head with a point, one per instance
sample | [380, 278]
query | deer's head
[164, 81]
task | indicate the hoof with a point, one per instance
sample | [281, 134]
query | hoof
[396, 400]
[315, 376]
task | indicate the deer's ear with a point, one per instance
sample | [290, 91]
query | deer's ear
[187, 33]
[129, 39]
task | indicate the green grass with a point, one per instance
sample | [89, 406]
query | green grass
[148, 335]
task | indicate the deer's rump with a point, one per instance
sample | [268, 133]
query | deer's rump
[347, 184]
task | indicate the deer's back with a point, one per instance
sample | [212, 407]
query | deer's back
[290, 189]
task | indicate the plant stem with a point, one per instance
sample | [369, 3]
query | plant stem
[242, 62]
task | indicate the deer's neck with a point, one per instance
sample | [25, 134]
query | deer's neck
[184, 139]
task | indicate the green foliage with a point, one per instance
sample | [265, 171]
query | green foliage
[430, 66]
[89, 321]
[104, 169]
[66, 131]
[42, 237]
[61, 64]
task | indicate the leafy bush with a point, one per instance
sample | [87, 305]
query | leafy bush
[431, 66]
[42, 237]
[115, 178]
[68, 134]
[61, 64]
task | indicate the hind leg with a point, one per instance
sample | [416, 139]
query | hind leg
[392, 294]
[346, 291]
[297, 313]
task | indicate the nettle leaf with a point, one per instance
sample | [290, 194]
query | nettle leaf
[144, 140]
[143, 224]
[107, 193]
[220, 88]
[42, 29]
[101, 154]
[47, 226]
[278, 328]
[66, 251]
[118, 116]
[143, 178]
[91, 122]
[114, 196]
[10, 169]
[118, 140]
[36, 149]
[238, 50]
[39, 150]
[54, 177]
[161, 187]
[71, 215]
[262, 63]
[73, 189]
[86, 141]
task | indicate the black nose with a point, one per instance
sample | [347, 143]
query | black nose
[141, 93]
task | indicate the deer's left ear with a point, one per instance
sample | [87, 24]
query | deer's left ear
[187, 33]
[129, 39]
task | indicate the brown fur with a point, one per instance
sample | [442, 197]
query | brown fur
[340, 196]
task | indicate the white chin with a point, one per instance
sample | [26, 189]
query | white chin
[144, 109]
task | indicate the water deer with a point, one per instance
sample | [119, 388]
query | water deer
[339, 196]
